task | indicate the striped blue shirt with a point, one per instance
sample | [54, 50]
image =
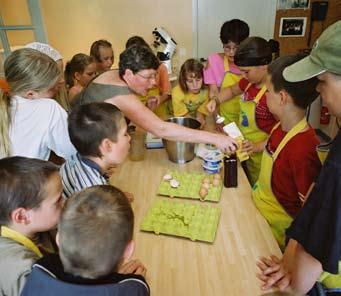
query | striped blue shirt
[79, 173]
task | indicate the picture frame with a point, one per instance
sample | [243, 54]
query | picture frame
[292, 4]
[292, 27]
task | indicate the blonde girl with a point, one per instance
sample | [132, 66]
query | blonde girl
[31, 124]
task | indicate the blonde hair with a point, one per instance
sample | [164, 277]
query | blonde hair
[25, 70]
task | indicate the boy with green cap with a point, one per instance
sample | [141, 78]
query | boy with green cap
[313, 252]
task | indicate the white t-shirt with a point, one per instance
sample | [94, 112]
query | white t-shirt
[39, 126]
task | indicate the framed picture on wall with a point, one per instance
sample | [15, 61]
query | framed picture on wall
[293, 4]
[292, 26]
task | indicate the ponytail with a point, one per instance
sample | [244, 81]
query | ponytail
[25, 69]
[68, 75]
[5, 120]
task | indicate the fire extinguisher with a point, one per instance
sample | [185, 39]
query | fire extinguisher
[325, 115]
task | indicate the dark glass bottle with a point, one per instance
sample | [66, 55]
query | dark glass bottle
[230, 171]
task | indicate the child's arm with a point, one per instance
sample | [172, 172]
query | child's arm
[224, 95]
[201, 118]
[133, 266]
[251, 147]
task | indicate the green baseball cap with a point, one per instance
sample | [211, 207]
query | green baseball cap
[325, 56]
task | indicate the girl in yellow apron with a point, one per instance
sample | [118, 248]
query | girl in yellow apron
[221, 72]
[157, 98]
[230, 109]
[255, 120]
[189, 98]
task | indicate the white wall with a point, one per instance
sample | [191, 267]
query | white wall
[209, 15]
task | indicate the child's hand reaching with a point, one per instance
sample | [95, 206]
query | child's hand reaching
[211, 106]
[272, 273]
[250, 147]
[133, 266]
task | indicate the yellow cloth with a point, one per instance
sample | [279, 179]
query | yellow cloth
[251, 132]
[21, 239]
[262, 194]
[188, 103]
[230, 109]
[331, 281]
[163, 86]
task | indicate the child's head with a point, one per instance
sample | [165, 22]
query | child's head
[136, 40]
[30, 194]
[99, 130]
[252, 58]
[302, 93]
[137, 67]
[81, 69]
[95, 231]
[102, 51]
[30, 74]
[232, 33]
[191, 76]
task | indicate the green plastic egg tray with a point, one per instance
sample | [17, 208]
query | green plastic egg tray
[190, 184]
[194, 221]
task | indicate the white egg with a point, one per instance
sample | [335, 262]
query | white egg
[167, 177]
[174, 183]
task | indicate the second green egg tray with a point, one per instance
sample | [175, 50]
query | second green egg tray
[193, 221]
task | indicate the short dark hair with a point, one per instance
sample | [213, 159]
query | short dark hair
[190, 66]
[90, 123]
[234, 30]
[136, 40]
[94, 229]
[94, 50]
[253, 51]
[137, 58]
[22, 184]
[303, 92]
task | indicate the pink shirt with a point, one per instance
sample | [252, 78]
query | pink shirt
[214, 72]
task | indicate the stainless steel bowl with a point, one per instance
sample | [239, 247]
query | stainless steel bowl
[181, 152]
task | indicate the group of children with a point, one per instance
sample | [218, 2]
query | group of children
[245, 86]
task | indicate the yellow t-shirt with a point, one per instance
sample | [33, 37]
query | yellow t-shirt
[184, 103]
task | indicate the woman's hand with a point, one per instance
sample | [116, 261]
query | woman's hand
[226, 144]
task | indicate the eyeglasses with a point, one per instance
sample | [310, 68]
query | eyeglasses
[229, 48]
[150, 77]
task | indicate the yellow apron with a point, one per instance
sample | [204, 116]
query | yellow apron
[164, 110]
[21, 239]
[230, 109]
[322, 151]
[262, 193]
[331, 281]
[251, 132]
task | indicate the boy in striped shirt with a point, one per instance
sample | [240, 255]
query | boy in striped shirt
[99, 133]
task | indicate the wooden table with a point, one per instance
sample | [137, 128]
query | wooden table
[179, 266]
